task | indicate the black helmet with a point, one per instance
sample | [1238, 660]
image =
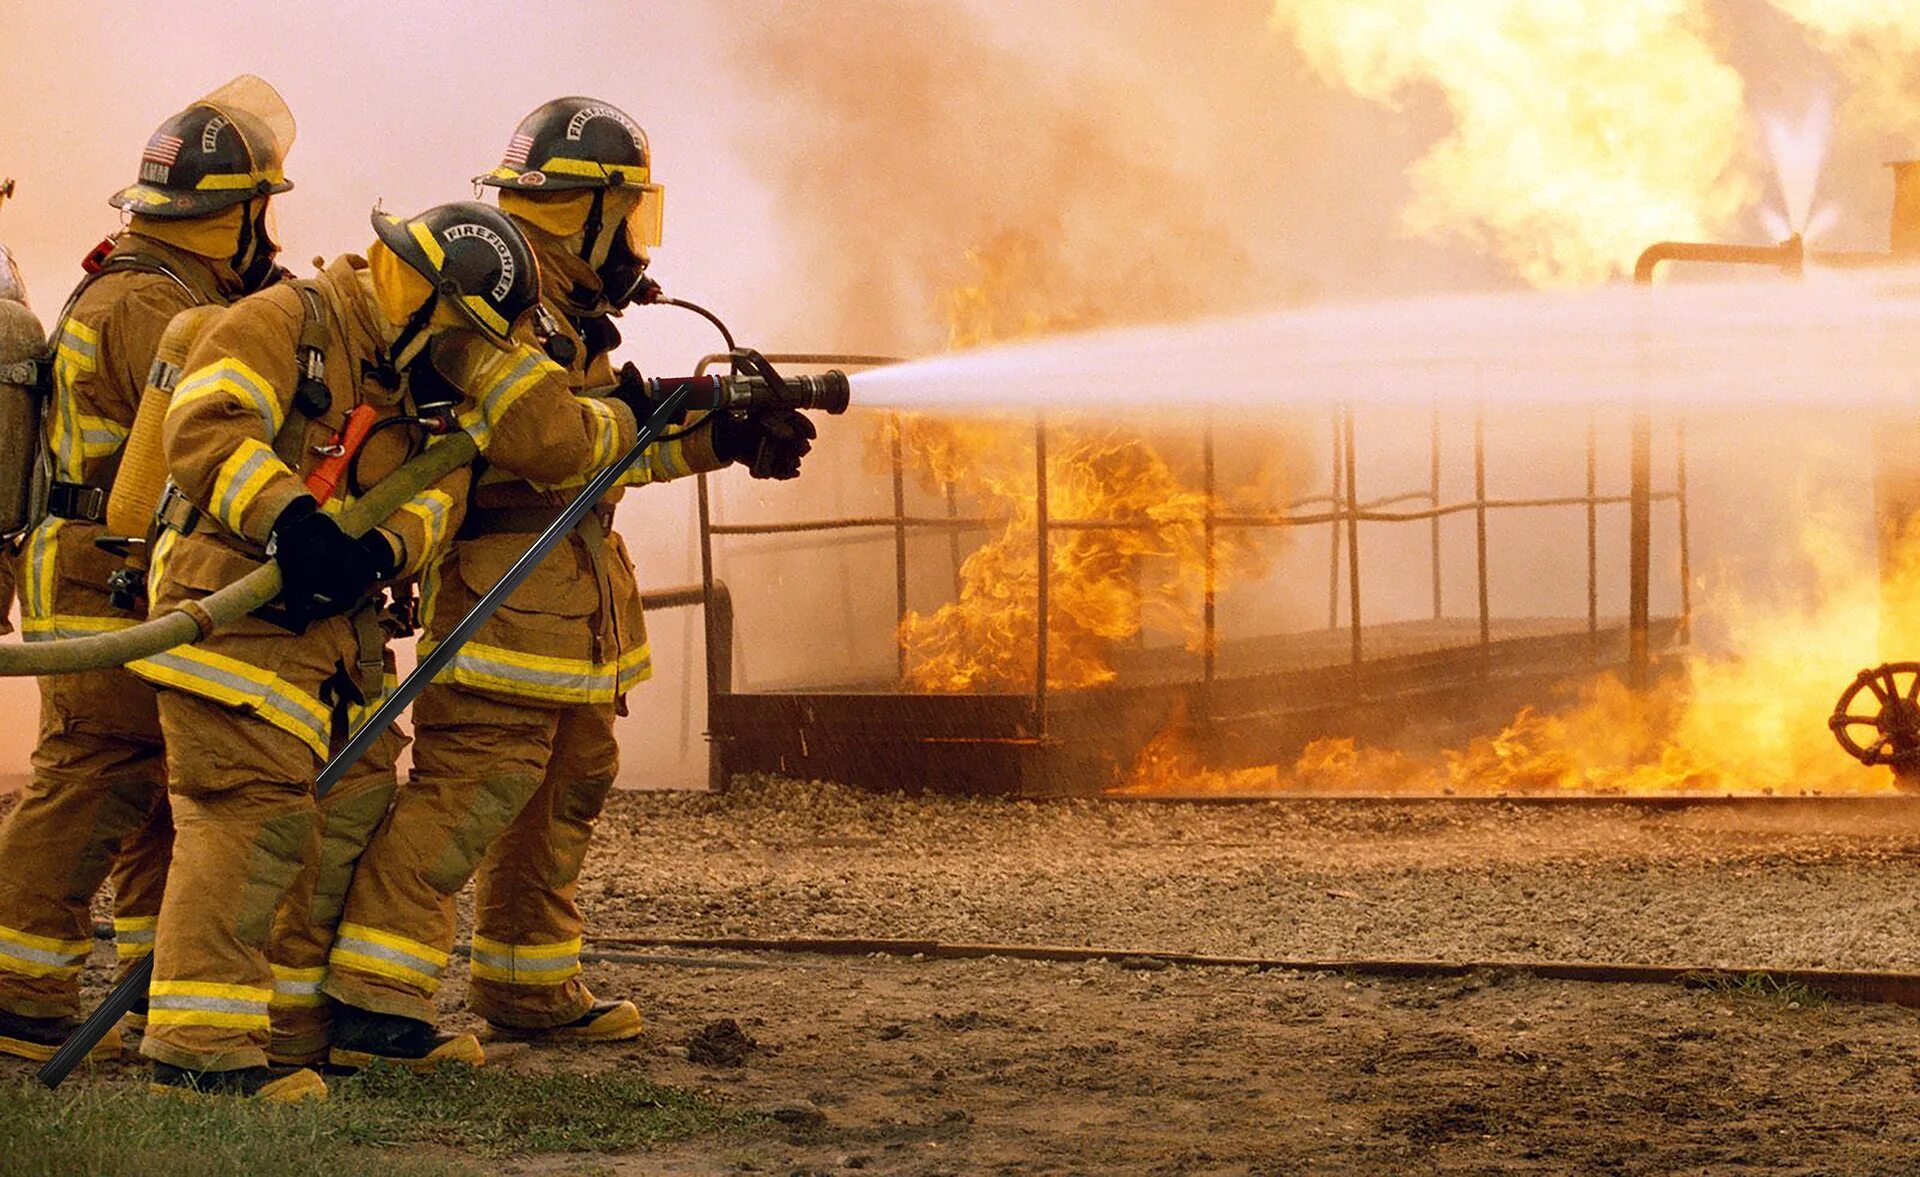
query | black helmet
[227, 148]
[574, 143]
[475, 258]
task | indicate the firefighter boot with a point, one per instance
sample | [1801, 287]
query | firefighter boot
[362, 1038]
[271, 1084]
[607, 1021]
[37, 1038]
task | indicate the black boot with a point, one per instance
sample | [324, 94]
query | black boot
[37, 1038]
[362, 1037]
[272, 1084]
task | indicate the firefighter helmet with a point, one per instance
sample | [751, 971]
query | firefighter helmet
[226, 148]
[574, 143]
[475, 258]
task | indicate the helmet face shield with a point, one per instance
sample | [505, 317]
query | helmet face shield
[224, 149]
[646, 222]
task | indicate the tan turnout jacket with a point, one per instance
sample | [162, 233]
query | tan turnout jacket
[573, 633]
[103, 350]
[227, 452]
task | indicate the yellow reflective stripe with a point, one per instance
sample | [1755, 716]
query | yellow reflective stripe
[669, 461]
[229, 181]
[501, 382]
[73, 625]
[100, 437]
[26, 954]
[238, 684]
[133, 935]
[298, 988]
[50, 944]
[76, 353]
[544, 677]
[234, 378]
[208, 1003]
[36, 587]
[606, 432]
[360, 948]
[432, 508]
[358, 713]
[525, 964]
[247, 471]
[162, 549]
[478, 307]
[428, 245]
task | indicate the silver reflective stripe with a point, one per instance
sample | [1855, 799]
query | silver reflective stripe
[404, 959]
[551, 678]
[212, 1005]
[69, 338]
[253, 465]
[138, 936]
[300, 988]
[513, 964]
[520, 371]
[41, 955]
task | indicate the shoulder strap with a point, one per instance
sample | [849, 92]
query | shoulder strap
[311, 397]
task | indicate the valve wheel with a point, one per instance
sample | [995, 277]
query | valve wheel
[1890, 734]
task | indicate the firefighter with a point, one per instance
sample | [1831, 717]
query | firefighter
[515, 749]
[430, 329]
[200, 232]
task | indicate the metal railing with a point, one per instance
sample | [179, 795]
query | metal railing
[1344, 511]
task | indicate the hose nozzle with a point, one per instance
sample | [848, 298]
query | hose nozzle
[753, 390]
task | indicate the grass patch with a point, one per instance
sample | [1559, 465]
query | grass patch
[1761, 987]
[374, 1125]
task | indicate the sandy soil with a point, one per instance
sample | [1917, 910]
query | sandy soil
[922, 1067]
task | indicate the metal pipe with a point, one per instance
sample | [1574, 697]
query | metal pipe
[1789, 256]
[1640, 552]
[1353, 544]
[1480, 529]
[1042, 574]
[953, 540]
[899, 550]
[1208, 637]
[1333, 559]
[1686, 540]
[1593, 536]
[1433, 501]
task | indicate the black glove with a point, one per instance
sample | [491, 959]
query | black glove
[771, 442]
[630, 389]
[323, 570]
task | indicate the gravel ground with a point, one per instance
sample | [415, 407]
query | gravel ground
[1784, 885]
[929, 1067]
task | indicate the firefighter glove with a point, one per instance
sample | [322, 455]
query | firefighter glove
[325, 571]
[772, 442]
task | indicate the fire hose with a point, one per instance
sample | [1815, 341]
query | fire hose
[754, 385]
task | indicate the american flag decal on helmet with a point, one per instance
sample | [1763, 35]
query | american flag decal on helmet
[162, 149]
[517, 148]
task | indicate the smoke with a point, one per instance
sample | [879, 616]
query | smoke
[914, 144]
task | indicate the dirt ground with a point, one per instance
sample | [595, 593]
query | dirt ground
[896, 1065]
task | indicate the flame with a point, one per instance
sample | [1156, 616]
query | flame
[1753, 721]
[1876, 45]
[1583, 130]
[1105, 585]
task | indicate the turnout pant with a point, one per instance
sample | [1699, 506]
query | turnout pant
[507, 791]
[241, 945]
[95, 808]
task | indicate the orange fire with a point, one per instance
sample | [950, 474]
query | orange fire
[1582, 130]
[1751, 721]
[1105, 584]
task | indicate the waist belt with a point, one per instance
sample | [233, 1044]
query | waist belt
[521, 520]
[77, 501]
